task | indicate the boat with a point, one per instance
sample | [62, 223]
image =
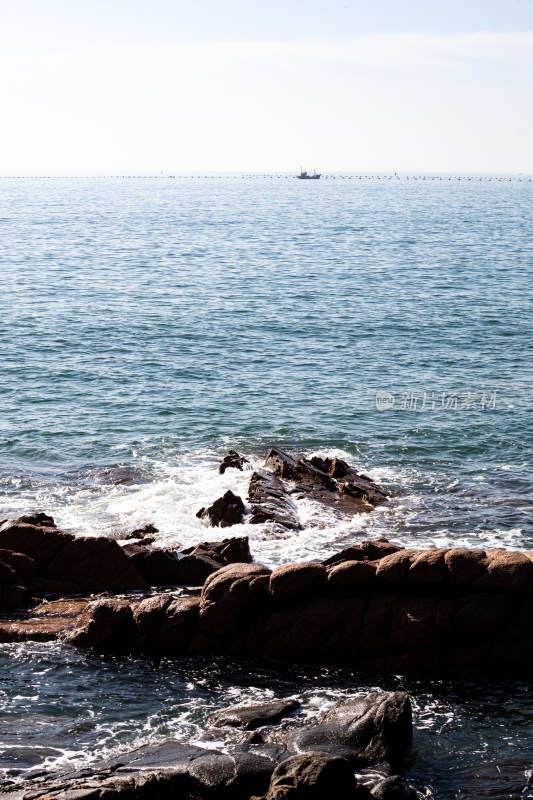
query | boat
[305, 176]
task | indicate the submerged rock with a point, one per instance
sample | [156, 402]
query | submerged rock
[394, 788]
[271, 502]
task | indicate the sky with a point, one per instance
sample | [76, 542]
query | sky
[186, 86]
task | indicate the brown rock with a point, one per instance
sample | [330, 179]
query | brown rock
[23, 565]
[232, 461]
[350, 577]
[464, 566]
[366, 551]
[38, 543]
[294, 581]
[13, 596]
[483, 616]
[270, 502]
[253, 716]
[392, 570]
[106, 625]
[176, 630]
[428, 569]
[44, 520]
[95, 565]
[7, 574]
[227, 510]
[226, 598]
[505, 571]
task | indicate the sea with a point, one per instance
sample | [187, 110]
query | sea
[149, 324]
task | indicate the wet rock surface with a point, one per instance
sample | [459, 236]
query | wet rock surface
[226, 511]
[254, 716]
[175, 770]
[232, 460]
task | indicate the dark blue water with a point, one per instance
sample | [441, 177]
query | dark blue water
[148, 325]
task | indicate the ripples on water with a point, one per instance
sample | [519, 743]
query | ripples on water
[147, 326]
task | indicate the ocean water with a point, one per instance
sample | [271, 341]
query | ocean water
[147, 325]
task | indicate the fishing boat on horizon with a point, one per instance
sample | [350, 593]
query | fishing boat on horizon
[305, 176]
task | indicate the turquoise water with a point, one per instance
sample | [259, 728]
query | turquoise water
[148, 325]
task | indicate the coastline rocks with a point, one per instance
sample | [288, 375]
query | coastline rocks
[190, 567]
[371, 729]
[46, 560]
[314, 777]
[294, 581]
[146, 533]
[229, 596]
[232, 461]
[43, 623]
[250, 717]
[105, 625]
[394, 788]
[226, 511]
[270, 502]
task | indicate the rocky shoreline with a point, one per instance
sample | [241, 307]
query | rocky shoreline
[375, 606]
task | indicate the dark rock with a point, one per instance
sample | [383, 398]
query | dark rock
[165, 568]
[394, 788]
[179, 622]
[194, 569]
[23, 565]
[88, 564]
[314, 777]
[270, 502]
[106, 625]
[95, 565]
[38, 518]
[145, 533]
[294, 581]
[318, 477]
[38, 543]
[13, 596]
[235, 550]
[232, 461]
[350, 577]
[227, 510]
[371, 729]
[366, 551]
[251, 717]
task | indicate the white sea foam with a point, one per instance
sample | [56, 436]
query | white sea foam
[423, 511]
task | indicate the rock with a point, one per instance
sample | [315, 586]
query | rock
[350, 577]
[332, 481]
[235, 550]
[371, 729]
[45, 622]
[394, 788]
[175, 632]
[95, 565]
[227, 598]
[270, 502]
[13, 596]
[44, 520]
[464, 566]
[366, 551]
[145, 533]
[314, 777]
[294, 581]
[84, 563]
[504, 571]
[194, 569]
[105, 625]
[23, 565]
[7, 573]
[40, 544]
[227, 510]
[232, 461]
[250, 717]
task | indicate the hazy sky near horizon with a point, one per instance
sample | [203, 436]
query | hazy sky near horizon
[131, 86]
